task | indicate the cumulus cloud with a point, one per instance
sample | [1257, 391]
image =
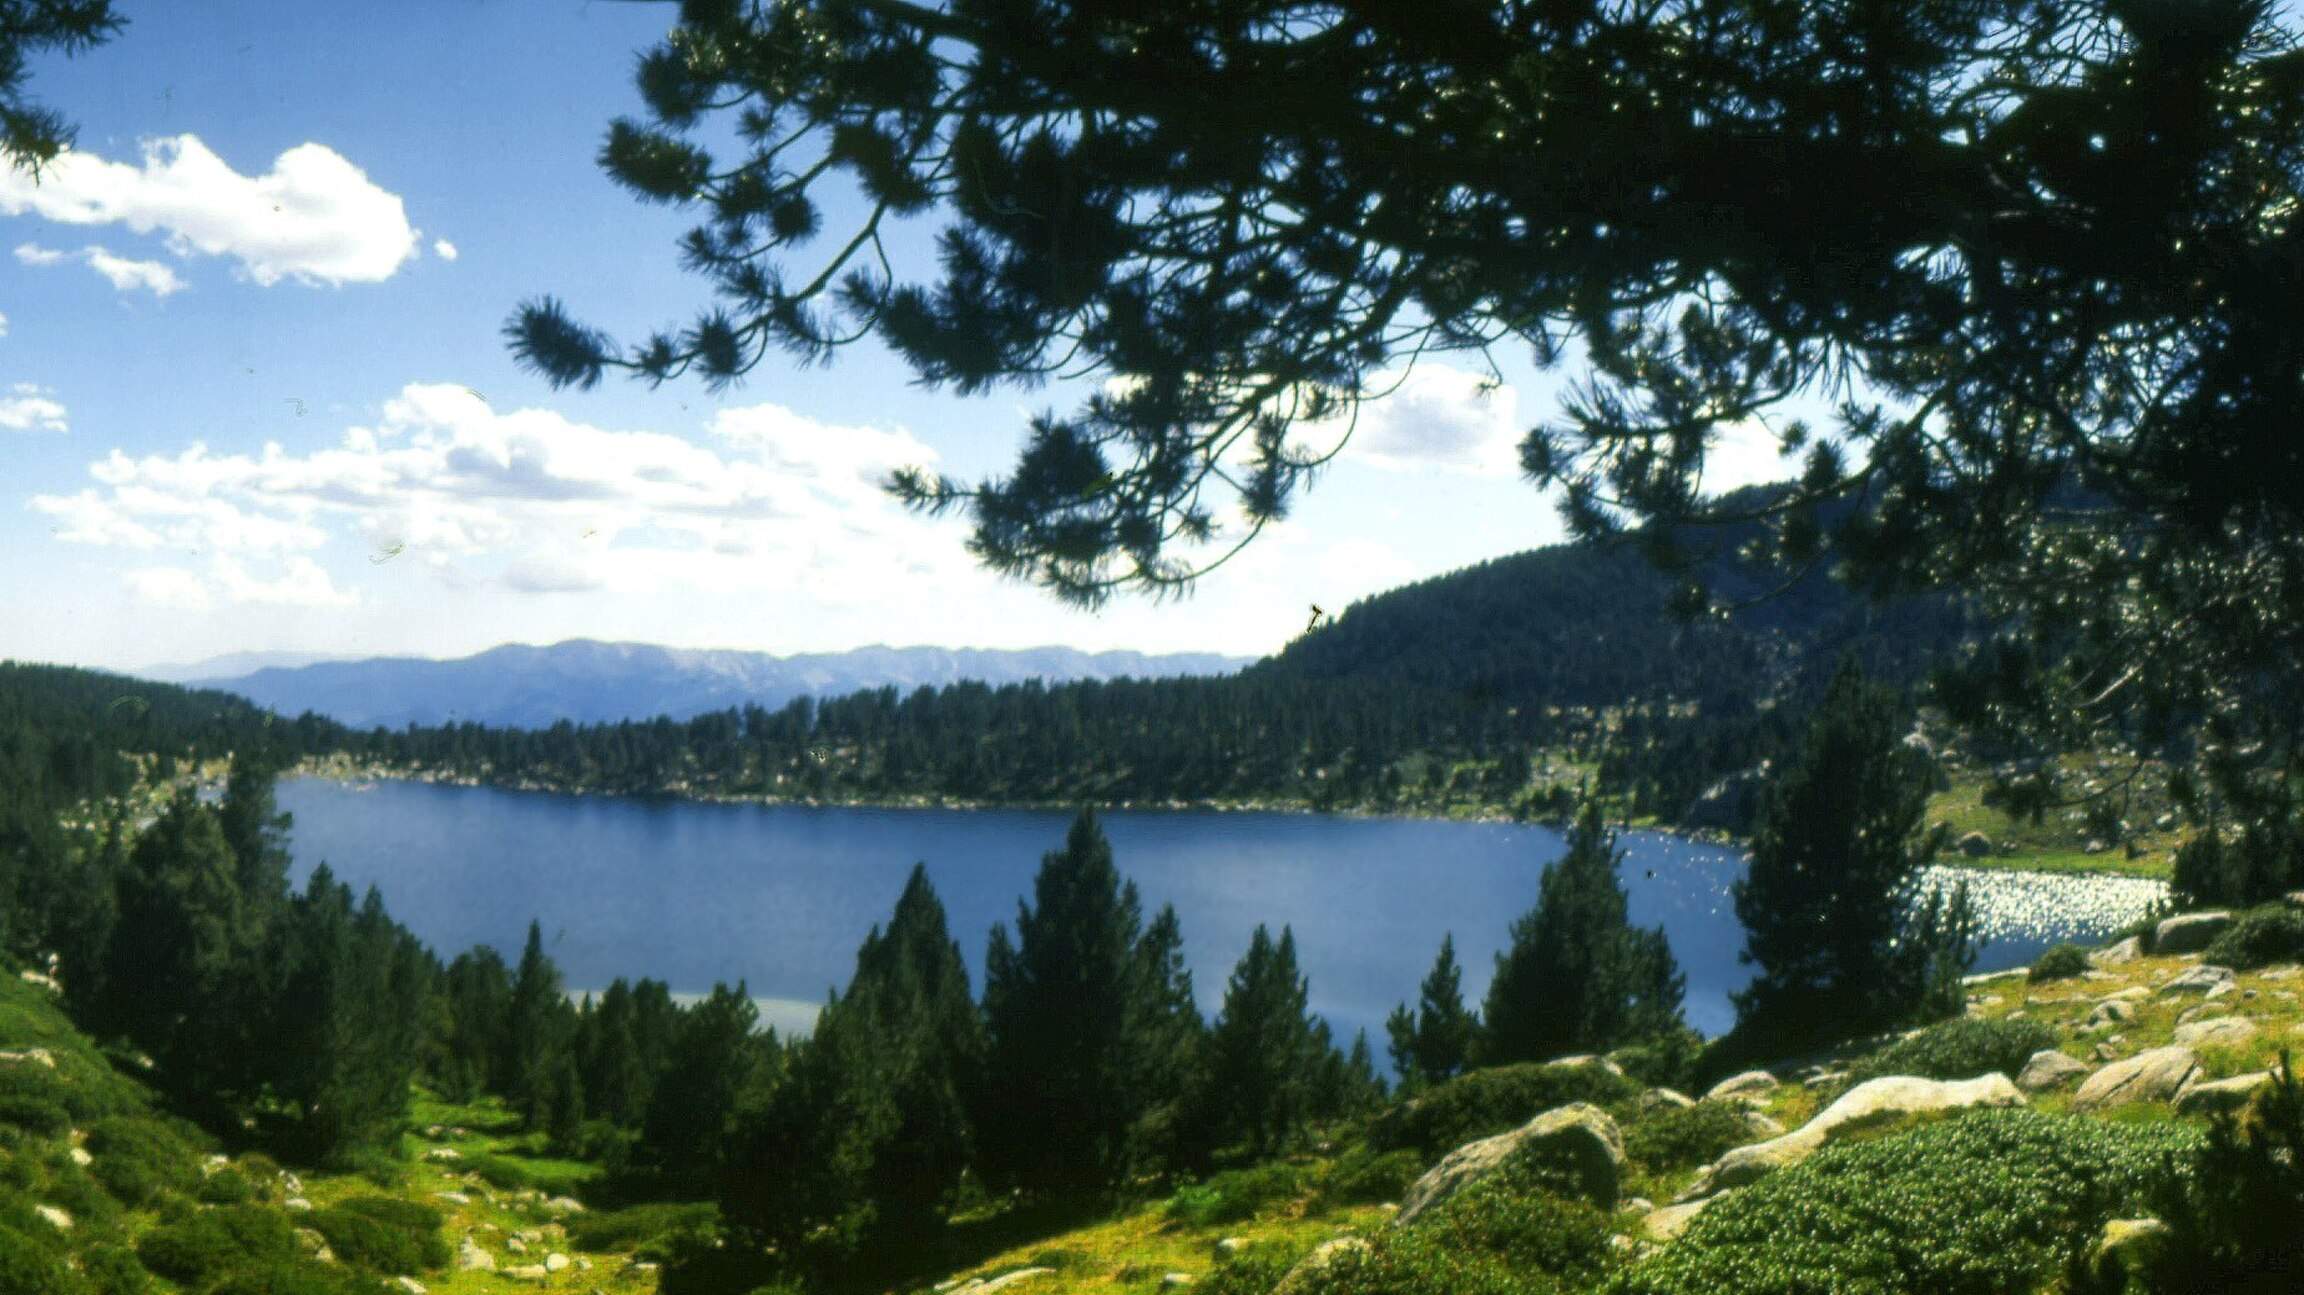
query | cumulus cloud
[1438, 417]
[127, 275]
[123, 273]
[526, 500]
[30, 407]
[443, 249]
[314, 217]
[1745, 454]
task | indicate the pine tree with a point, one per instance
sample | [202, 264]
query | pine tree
[1261, 1060]
[1072, 1014]
[1434, 1042]
[537, 1029]
[1826, 902]
[870, 1132]
[477, 991]
[1577, 976]
[717, 1074]
[350, 1020]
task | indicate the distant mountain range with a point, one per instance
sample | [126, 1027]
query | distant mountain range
[590, 682]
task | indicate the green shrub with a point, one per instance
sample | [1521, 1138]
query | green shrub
[2259, 937]
[1505, 1235]
[501, 1172]
[1961, 1048]
[35, 1115]
[1666, 1061]
[390, 1236]
[211, 1243]
[28, 1268]
[113, 1270]
[1680, 1137]
[1237, 1194]
[1490, 1101]
[2233, 1218]
[1367, 1177]
[2059, 962]
[225, 1187]
[628, 1229]
[1256, 1270]
[139, 1159]
[298, 1277]
[1980, 1204]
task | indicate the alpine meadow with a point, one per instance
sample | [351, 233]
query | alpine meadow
[1288, 647]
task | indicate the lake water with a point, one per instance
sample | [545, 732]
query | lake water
[780, 896]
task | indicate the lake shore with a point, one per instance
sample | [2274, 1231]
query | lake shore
[343, 769]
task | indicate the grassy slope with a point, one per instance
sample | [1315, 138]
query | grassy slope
[30, 1018]
[1130, 1253]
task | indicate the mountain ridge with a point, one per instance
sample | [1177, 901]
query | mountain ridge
[596, 681]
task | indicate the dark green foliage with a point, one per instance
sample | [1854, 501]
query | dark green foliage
[1434, 1042]
[2233, 1216]
[2261, 861]
[539, 1033]
[225, 1186]
[1962, 1048]
[30, 1268]
[113, 1270]
[716, 1075]
[869, 1132]
[1238, 1194]
[31, 135]
[383, 1233]
[1261, 1052]
[1842, 944]
[1577, 976]
[1491, 1101]
[1668, 1060]
[635, 1226]
[299, 1278]
[471, 1054]
[1081, 1025]
[2259, 937]
[350, 1021]
[1505, 1235]
[1345, 1085]
[34, 1115]
[1980, 1204]
[211, 1243]
[1364, 1176]
[2058, 962]
[1256, 1270]
[139, 1160]
[1682, 1137]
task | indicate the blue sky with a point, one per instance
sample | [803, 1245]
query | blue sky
[253, 394]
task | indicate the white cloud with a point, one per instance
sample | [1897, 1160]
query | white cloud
[1437, 416]
[173, 587]
[127, 276]
[3, 325]
[29, 407]
[528, 501]
[443, 249]
[1745, 454]
[34, 254]
[314, 217]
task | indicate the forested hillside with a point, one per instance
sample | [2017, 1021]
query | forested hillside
[1499, 688]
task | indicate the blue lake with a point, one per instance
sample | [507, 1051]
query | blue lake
[780, 896]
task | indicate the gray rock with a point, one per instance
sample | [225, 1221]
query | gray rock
[2219, 1030]
[1323, 1257]
[2111, 1011]
[555, 1262]
[1658, 1099]
[2154, 1076]
[1669, 1222]
[54, 1217]
[2048, 1069]
[2112, 955]
[1866, 1105]
[2188, 932]
[2123, 1244]
[471, 1258]
[1578, 1135]
[2211, 1096]
[1752, 1083]
[1229, 1246]
[1175, 1281]
[2210, 982]
[1975, 845]
[410, 1285]
[529, 1273]
[1005, 1280]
